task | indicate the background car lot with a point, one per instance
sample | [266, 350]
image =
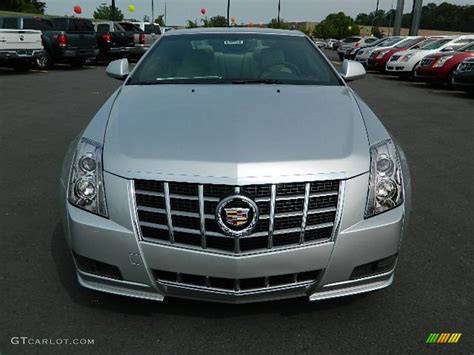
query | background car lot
[41, 298]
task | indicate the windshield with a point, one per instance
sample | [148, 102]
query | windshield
[377, 42]
[391, 41]
[436, 44]
[408, 43]
[235, 59]
[351, 40]
[468, 48]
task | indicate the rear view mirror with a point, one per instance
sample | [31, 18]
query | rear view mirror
[352, 70]
[118, 69]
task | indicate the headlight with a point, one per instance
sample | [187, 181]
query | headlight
[86, 181]
[440, 62]
[407, 57]
[381, 54]
[385, 182]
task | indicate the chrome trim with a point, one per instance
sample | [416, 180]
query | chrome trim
[202, 216]
[166, 189]
[229, 231]
[339, 209]
[137, 233]
[271, 223]
[307, 191]
[271, 232]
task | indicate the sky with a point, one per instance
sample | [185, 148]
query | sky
[256, 11]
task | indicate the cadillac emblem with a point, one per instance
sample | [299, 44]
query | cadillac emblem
[237, 215]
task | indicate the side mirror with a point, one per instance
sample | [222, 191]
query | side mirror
[447, 49]
[352, 70]
[118, 69]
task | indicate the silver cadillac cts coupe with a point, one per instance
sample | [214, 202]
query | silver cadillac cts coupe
[235, 165]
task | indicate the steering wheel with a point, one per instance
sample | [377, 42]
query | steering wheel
[289, 66]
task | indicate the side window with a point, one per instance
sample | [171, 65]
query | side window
[9, 22]
[102, 28]
[152, 29]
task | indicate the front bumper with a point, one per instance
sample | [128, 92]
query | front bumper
[464, 79]
[116, 242]
[430, 74]
[398, 68]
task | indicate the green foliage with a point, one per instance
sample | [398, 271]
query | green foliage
[30, 6]
[216, 21]
[104, 12]
[191, 24]
[274, 24]
[445, 16]
[336, 26]
[160, 20]
[376, 32]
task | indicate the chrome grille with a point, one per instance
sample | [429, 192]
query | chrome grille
[466, 66]
[236, 285]
[426, 61]
[184, 213]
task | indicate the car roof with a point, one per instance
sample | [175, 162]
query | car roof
[228, 30]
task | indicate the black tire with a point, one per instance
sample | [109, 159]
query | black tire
[45, 61]
[78, 62]
[22, 67]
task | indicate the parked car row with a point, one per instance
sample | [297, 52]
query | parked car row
[437, 59]
[71, 40]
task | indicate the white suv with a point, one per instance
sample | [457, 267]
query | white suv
[404, 63]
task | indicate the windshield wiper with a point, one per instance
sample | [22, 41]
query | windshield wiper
[255, 81]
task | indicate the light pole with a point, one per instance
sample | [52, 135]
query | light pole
[152, 11]
[279, 10]
[228, 13]
[113, 10]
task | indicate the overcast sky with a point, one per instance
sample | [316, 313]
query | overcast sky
[178, 11]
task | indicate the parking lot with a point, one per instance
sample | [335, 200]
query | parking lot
[43, 111]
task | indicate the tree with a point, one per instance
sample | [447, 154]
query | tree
[274, 24]
[160, 20]
[336, 26]
[216, 21]
[191, 24]
[30, 6]
[445, 16]
[104, 12]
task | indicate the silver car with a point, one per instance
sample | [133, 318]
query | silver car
[235, 165]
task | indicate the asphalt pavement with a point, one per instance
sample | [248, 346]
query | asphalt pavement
[40, 112]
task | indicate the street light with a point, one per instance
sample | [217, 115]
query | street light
[228, 12]
[279, 10]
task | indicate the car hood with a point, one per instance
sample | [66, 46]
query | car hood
[236, 134]
[420, 52]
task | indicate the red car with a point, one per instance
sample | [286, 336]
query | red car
[439, 67]
[379, 58]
